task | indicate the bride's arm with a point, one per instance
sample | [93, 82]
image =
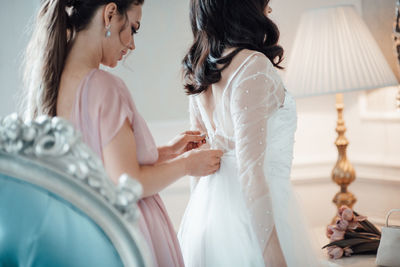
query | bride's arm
[254, 98]
[196, 124]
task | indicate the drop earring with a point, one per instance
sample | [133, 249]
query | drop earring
[108, 32]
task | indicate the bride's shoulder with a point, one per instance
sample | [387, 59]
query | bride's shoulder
[247, 54]
[248, 63]
[251, 61]
[244, 53]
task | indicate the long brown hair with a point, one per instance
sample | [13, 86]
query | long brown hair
[56, 24]
[220, 24]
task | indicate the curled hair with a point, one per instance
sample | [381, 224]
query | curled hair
[221, 24]
[56, 24]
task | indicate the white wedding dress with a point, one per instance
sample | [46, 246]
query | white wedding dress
[236, 216]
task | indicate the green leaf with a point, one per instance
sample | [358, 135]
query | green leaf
[369, 227]
[375, 230]
[346, 242]
[351, 234]
[368, 247]
[364, 227]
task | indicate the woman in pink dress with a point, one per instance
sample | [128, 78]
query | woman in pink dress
[70, 41]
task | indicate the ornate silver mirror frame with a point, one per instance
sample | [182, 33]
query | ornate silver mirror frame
[48, 153]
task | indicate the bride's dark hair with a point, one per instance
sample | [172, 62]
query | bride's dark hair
[220, 24]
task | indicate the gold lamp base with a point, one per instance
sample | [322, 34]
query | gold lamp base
[343, 173]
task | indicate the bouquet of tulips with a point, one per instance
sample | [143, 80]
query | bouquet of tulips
[351, 234]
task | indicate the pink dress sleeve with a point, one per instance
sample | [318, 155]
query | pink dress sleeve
[103, 108]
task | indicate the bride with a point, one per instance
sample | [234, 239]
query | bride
[246, 213]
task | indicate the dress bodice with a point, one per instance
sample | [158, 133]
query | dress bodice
[103, 103]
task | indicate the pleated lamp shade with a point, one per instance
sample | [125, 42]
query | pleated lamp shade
[334, 52]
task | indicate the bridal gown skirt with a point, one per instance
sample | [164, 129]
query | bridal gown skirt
[216, 229]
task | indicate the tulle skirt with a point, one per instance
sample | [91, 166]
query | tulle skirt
[216, 229]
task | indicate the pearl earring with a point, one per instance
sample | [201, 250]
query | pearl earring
[108, 32]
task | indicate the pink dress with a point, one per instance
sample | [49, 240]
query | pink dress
[102, 105]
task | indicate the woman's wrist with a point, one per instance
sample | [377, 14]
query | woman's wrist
[164, 153]
[184, 162]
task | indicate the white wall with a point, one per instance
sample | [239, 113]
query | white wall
[14, 20]
[155, 78]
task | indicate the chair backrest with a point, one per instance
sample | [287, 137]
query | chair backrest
[57, 205]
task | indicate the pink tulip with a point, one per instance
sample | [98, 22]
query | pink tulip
[348, 251]
[342, 225]
[337, 234]
[341, 209]
[347, 214]
[335, 252]
[353, 225]
[329, 230]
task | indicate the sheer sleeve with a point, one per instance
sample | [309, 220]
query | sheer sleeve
[196, 124]
[257, 93]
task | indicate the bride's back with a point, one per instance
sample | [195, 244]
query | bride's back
[240, 82]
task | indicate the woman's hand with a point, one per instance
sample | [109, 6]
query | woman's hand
[182, 143]
[202, 162]
[187, 141]
[120, 157]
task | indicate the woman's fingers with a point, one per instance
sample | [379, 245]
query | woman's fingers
[204, 162]
[217, 153]
[193, 132]
[214, 168]
[194, 141]
[196, 138]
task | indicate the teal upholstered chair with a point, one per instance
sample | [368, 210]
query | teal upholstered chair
[57, 206]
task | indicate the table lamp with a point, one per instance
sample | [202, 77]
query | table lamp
[333, 53]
